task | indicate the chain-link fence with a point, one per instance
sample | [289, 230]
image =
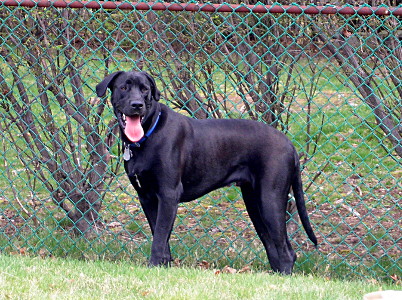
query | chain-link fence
[329, 77]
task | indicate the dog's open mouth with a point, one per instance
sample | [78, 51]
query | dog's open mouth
[132, 127]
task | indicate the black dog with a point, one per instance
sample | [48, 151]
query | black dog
[171, 158]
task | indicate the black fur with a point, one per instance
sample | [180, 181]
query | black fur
[185, 158]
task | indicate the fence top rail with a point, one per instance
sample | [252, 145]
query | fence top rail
[210, 7]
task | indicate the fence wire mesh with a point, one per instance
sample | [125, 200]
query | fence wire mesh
[331, 82]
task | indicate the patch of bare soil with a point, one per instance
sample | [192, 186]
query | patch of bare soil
[10, 222]
[361, 228]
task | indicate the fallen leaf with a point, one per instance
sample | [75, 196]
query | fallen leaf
[245, 269]
[177, 262]
[145, 293]
[204, 264]
[229, 270]
[396, 279]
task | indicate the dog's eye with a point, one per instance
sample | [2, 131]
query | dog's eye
[123, 88]
[144, 90]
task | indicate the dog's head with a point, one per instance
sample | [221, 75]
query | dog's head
[132, 98]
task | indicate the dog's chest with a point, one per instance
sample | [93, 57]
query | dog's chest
[135, 167]
[140, 171]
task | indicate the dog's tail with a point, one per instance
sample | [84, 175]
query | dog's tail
[297, 187]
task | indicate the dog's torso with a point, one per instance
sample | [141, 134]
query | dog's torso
[209, 154]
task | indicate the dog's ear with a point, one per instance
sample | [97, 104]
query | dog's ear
[106, 83]
[154, 90]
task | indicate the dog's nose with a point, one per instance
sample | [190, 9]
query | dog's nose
[136, 105]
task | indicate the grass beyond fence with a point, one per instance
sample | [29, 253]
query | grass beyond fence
[330, 80]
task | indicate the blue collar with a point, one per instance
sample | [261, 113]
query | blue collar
[147, 135]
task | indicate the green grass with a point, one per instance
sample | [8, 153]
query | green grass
[35, 278]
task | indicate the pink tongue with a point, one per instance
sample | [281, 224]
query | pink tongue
[133, 129]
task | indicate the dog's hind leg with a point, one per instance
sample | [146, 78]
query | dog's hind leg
[272, 206]
[267, 211]
[250, 199]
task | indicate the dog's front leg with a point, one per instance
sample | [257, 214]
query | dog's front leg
[150, 207]
[160, 252]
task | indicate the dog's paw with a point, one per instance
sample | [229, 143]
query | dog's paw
[160, 261]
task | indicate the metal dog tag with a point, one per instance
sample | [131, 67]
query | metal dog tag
[127, 154]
